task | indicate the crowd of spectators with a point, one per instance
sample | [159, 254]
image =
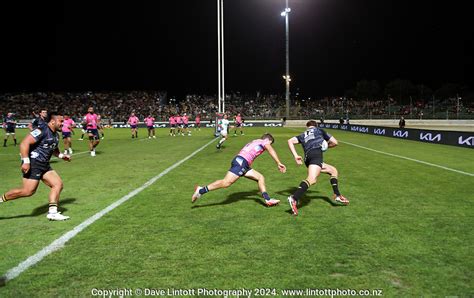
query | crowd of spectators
[117, 106]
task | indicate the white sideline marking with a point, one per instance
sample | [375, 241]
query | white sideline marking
[59, 243]
[411, 159]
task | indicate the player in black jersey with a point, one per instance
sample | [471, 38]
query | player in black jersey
[9, 124]
[36, 150]
[40, 120]
[313, 142]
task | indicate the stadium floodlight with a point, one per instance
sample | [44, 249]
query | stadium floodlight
[286, 14]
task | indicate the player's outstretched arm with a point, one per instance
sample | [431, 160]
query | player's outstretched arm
[291, 145]
[274, 155]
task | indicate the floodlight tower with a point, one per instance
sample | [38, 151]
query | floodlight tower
[286, 14]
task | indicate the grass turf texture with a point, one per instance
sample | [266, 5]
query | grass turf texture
[406, 231]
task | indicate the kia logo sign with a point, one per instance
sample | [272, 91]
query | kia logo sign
[210, 125]
[400, 134]
[379, 131]
[429, 137]
[468, 141]
[360, 129]
[273, 124]
[247, 124]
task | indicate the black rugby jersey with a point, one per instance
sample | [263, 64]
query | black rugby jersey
[312, 138]
[46, 142]
[9, 122]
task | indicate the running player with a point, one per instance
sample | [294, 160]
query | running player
[240, 166]
[91, 119]
[172, 121]
[185, 120]
[223, 127]
[198, 122]
[67, 129]
[40, 120]
[36, 150]
[312, 140]
[84, 128]
[238, 124]
[133, 121]
[9, 124]
[149, 121]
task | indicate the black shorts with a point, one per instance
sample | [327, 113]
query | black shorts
[37, 170]
[10, 129]
[239, 166]
[314, 157]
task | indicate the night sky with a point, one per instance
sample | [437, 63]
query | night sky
[172, 45]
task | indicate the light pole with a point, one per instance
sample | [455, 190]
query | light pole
[287, 78]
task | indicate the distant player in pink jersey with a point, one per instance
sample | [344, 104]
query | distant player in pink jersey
[172, 121]
[91, 121]
[67, 129]
[185, 120]
[198, 121]
[240, 166]
[238, 124]
[133, 121]
[179, 124]
[150, 122]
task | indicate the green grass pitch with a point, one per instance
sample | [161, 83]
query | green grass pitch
[407, 231]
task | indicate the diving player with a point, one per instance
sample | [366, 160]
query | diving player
[9, 124]
[36, 150]
[312, 140]
[240, 166]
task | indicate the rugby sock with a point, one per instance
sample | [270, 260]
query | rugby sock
[304, 185]
[4, 198]
[4, 142]
[221, 141]
[203, 190]
[335, 187]
[14, 141]
[265, 196]
[53, 208]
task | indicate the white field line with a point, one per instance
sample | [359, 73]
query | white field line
[410, 159]
[400, 156]
[61, 241]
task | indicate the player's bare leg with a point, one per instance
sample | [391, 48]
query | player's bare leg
[27, 190]
[313, 173]
[55, 183]
[228, 180]
[332, 171]
[260, 179]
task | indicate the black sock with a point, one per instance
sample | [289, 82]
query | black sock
[335, 187]
[304, 185]
[14, 141]
[4, 142]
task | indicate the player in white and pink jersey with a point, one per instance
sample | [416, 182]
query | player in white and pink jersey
[240, 166]
[91, 121]
[179, 124]
[67, 129]
[150, 121]
[133, 121]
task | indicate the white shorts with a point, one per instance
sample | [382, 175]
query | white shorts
[223, 133]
